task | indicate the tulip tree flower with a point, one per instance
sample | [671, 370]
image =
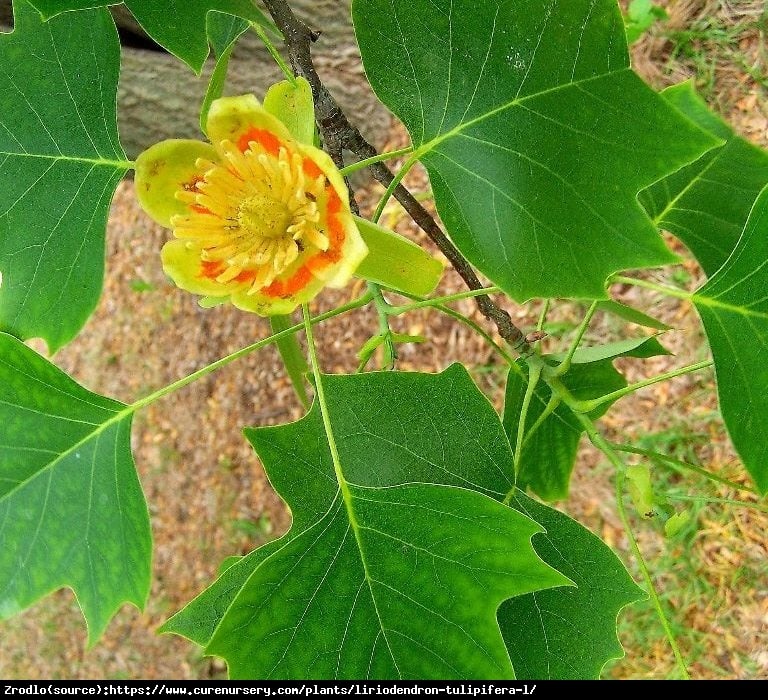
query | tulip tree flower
[261, 218]
[258, 218]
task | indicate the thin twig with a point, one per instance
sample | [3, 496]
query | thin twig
[337, 133]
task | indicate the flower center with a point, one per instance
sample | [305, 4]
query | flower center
[263, 217]
[252, 215]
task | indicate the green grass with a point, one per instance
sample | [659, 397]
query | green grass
[713, 41]
[702, 597]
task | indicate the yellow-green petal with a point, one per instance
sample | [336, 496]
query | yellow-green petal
[210, 302]
[164, 169]
[231, 118]
[184, 265]
[265, 305]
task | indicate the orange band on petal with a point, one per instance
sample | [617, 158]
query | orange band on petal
[211, 268]
[267, 139]
[294, 284]
[246, 276]
[311, 169]
[336, 228]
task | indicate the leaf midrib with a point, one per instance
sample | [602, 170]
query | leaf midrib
[347, 497]
[458, 129]
[712, 302]
[100, 428]
[115, 164]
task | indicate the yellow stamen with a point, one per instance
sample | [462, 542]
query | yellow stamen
[255, 213]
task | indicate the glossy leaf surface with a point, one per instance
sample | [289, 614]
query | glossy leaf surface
[536, 133]
[372, 576]
[733, 305]
[177, 25]
[567, 632]
[706, 204]
[60, 161]
[72, 512]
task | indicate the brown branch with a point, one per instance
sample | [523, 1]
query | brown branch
[337, 133]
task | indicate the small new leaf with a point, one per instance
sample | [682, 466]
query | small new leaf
[627, 313]
[640, 490]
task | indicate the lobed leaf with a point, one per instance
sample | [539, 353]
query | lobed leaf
[72, 512]
[536, 134]
[733, 306]
[60, 162]
[380, 579]
[413, 444]
[177, 25]
[398, 582]
[401, 577]
[706, 204]
[567, 633]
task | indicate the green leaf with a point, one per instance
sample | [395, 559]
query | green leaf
[641, 14]
[177, 25]
[369, 347]
[198, 620]
[292, 104]
[733, 306]
[396, 262]
[228, 563]
[293, 356]
[71, 506]
[536, 134]
[567, 632]
[408, 338]
[640, 489]
[676, 523]
[632, 315]
[380, 589]
[706, 204]
[224, 31]
[60, 161]
[549, 451]
[631, 347]
[371, 590]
